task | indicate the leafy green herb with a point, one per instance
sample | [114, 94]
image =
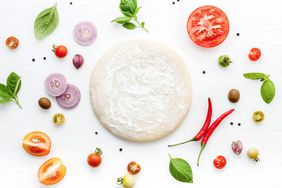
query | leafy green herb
[267, 89]
[46, 22]
[129, 9]
[9, 92]
[180, 170]
[254, 75]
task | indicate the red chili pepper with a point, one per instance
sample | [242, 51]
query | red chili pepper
[211, 130]
[204, 129]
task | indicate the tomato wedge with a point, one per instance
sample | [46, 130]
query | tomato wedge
[37, 143]
[52, 171]
[207, 26]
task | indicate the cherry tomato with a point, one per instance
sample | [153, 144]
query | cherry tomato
[254, 54]
[12, 42]
[37, 143]
[60, 51]
[52, 171]
[94, 159]
[133, 168]
[207, 26]
[219, 162]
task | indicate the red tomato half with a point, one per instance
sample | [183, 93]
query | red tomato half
[254, 54]
[133, 168]
[219, 162]
[52, 171]
[208, 26]
[37, 143]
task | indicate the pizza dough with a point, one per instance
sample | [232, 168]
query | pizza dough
[140, 90]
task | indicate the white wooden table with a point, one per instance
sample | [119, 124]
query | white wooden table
[259, 24]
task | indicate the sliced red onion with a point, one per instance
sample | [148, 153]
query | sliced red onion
[70, 98]
[85, 33]
[237, 147]
[78, 61]
[55, 84]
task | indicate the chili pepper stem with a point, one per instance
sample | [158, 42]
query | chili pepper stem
[199, 156]
[181, 143]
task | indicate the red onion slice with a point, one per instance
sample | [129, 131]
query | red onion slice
[85, 33]
[70, 98]
[55, 84]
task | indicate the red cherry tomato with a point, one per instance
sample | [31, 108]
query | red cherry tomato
[94, 159]
[219, 162]
[37, 143]
[133, 168]
[208, 26]
[60, 51]
[52, 171]
[254, 54]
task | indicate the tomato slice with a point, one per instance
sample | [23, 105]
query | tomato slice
[219, 162]
[133, 168]
[37, 143]
[52, 171]
[207, 26]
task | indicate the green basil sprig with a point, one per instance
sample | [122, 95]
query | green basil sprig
[46, 22]
[9, 92]
[267, 89]
[129, 9]
[180, 170]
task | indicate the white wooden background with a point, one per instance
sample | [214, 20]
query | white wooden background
[259, 24]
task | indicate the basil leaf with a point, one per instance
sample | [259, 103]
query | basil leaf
[180, 170]
[267, 91]
[129, 25]
[3, 91]
[46, 22]
[128, 7]
[254, 75]
[13, 84]
[5, 100]
[122, 20]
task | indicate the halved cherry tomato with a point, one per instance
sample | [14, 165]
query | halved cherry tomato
[37, 143]
[52, 171]
[208, 26]
[60, 51]
[219, 162]
[254, 54]
[133, 168]
[12, 42]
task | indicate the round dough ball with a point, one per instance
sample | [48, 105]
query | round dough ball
[140, 90]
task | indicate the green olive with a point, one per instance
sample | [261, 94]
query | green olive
[258, 116]
[44, 103]
[234, 95]
[224, 60]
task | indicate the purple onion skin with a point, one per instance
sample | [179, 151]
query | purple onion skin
[78, 61]
[237, 147]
